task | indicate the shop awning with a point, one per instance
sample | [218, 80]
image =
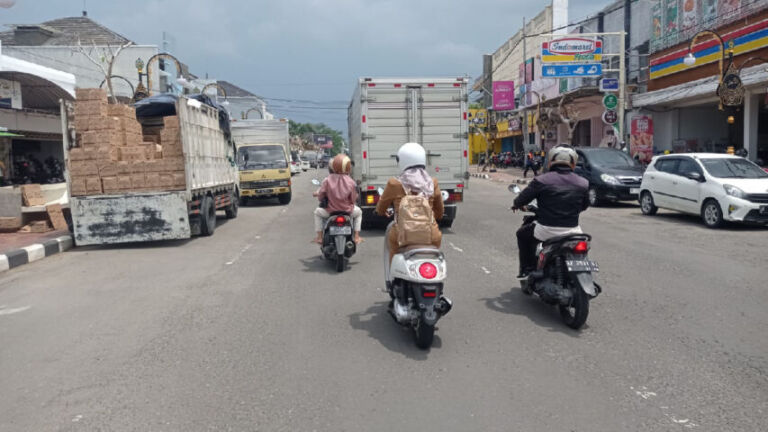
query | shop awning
[9, 134]
[64, 80]
[700, 90]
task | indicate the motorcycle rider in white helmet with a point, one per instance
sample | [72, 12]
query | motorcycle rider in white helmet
[412, 161]
[561, 195]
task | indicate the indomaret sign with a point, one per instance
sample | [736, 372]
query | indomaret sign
[571, 49]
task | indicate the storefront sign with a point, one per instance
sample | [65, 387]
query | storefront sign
[610, 101]
[731, 91]
[657, 27]
[708, 11]
[503, 95]
[609, 84]
[728, 7]
[572, 70]
[670, 19]
[641, 138]
[610, 117]
[478, 117]
[10, 94]
[571, 50]
[515, 124]
[690, 14]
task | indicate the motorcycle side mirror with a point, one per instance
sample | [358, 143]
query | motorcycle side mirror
[514, 188]
[380, 191]
[445, 195]
[316, 182]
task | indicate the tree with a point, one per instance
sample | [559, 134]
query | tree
[104, 59]
[301, 129]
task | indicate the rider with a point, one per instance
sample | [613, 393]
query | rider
[412, 161]
[561, 196]
[341, 192]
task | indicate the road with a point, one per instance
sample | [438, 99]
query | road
[249, 330]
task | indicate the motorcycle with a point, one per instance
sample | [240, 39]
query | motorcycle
[338, 244]
[414, 281]
[564, 272]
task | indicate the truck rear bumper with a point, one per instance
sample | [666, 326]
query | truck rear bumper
[263, 193]
[138, 217]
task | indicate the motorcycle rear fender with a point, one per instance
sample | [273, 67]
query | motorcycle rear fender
[585, 281]
[341, 243]
[427, 304]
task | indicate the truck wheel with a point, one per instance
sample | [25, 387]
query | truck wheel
[233, 206]
[207, 216]
[284, 198]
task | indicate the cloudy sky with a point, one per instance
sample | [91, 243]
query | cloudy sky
[310, 50]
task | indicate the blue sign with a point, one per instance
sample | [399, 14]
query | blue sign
[609, 84]
[572, 70]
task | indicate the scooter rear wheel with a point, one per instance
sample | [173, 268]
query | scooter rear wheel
[339, 263]
[575, 314]
[425, 334]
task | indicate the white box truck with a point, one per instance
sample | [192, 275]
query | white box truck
[208, 183]
[386, 113]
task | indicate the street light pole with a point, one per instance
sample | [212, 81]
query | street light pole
[690, 59]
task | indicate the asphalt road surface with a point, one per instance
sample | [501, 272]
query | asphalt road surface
[250, 330]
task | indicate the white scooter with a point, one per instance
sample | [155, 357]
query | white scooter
[415, 283]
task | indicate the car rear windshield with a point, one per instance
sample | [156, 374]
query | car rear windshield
[261, 157]
[733, 168]
[611, 159]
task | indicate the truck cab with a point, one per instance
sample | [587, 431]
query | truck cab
[264, 172]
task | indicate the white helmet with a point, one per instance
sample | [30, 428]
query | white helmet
[562, 155]
[411, 155]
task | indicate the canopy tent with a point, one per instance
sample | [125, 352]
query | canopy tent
[41, 86]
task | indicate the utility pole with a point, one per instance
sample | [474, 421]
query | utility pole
[523, 98]
[622, 87]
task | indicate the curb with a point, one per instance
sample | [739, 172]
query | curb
[34, 252]
[483, 176]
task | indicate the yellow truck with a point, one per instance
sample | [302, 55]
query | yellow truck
[263, 159]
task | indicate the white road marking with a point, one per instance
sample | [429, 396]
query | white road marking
[486, 270]
[238, 255]
[77, 418]
[4, 311]
[455, 248]
[645, 394]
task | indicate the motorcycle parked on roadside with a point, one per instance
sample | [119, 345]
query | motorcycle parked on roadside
[414, 280]
[338, 244]
[563, 275]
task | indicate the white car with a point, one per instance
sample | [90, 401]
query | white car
[718, 187]
[295, 167]
[304, 164]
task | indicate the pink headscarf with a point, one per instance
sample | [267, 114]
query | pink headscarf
[417, 180]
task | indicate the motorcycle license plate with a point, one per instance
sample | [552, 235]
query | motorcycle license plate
[581, 265]
[634, 191]
[340, 230]
[764, 210]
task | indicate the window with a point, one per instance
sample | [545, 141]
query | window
[668, 165]
[733, 168]
[687, 166]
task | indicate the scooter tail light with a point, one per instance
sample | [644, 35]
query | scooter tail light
[428, 270]
[429, 294]
[581, 247]
[340, 220]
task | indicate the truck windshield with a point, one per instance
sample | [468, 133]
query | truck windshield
[261, 157]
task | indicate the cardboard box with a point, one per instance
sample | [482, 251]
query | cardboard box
[83, 168]
[82, 94]
[166, 180]
[137, 181]
[76, 154]
[90, 108]
[171, 122]
[131, 153]
[77, 186]
[82, 123]
[93, 185]
[107, 168]
[124, 168]
[56, 216]
[174, 164]
[138, 167]
[172, 149]
[109, 184]
[40, 226]
[120, 110]
[9, 224]
[179, 180]
[124, 182]
[32, 195]
[152, 180]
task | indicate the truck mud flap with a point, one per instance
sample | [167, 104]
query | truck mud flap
[130, 218]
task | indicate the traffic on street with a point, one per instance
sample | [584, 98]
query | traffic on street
[566, 234]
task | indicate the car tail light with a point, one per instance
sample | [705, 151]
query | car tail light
[581, 247]
[460, 185]
[371, 187]
[428, 270]
[340, 220]
[372, 198]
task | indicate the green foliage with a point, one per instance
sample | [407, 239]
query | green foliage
[475, 105]
[300, 129]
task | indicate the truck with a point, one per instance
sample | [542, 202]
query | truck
[263, 159]
[385, 113]
[161, 177]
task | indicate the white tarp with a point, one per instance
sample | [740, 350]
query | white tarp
[64, 80]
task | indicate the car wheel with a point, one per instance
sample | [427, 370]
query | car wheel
[647, 206]
[594, 199]
[712, 214]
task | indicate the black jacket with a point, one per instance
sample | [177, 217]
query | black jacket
[561, 195]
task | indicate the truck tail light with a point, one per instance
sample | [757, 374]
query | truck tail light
[456, 197]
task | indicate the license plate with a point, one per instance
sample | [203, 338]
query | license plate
[634, 191]
[340, 230]
[582, 265]
[764, 210]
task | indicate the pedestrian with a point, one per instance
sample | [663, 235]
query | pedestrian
[609, 140]
[530, 164]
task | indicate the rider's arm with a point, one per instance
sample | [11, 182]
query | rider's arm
[387, 198]
[323, 191]
[527, 195]
[437, 202]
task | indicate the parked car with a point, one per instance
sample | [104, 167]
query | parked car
[311, 158]
[718, 187]
[304, 164]
[612, 174]
[295, 166]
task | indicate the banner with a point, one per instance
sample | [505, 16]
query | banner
[728, 8]
[503, 95]
[670, 19]
[708, 11]
[641, 138]
[690, 14]
[657, 30]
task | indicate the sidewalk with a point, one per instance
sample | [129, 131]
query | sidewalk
[506, 175]
[21, 248]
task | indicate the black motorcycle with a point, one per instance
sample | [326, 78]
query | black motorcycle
[563, 275]
[338, 243]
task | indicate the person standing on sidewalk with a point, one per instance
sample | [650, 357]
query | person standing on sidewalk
[530, 164]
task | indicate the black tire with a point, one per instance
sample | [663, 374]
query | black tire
[207, 216]
[647, 206]
[339, 263]
[425, 334]
[231, 211]
[575, 315]
[284, 198]
[446, 223]
[594, 198]
[712, 214]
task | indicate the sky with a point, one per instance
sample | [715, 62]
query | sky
[310, 51]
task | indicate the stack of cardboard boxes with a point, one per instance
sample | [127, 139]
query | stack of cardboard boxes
[114, 154]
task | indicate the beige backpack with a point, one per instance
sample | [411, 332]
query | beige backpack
[414, 220]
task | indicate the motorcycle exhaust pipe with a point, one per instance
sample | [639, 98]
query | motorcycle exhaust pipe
[444, 306]
[349, 248]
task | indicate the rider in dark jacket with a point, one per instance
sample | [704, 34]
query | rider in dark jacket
[561, 195]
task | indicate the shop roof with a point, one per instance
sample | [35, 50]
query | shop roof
[61, 32]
